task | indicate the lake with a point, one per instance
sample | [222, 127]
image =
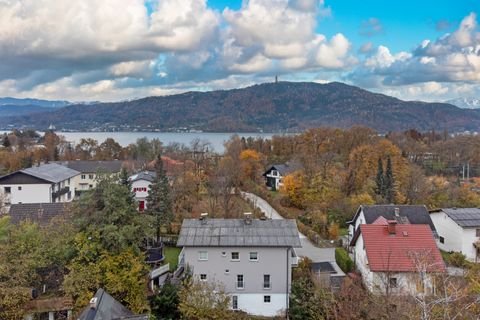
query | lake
[217, 139]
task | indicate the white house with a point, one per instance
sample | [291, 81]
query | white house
[44, 183]
[141, 185]
[89, 169]
[252, 258]
[397, 258]
[275, 174]
[403, 214]
[458, 230]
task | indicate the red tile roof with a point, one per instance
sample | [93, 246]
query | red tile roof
[395, 252]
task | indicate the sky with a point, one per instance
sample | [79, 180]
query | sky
[110, 50]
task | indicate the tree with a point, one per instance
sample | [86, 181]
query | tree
[159, 202]
[380, 179]
[204, 300]
[389, 182]
[164, 305]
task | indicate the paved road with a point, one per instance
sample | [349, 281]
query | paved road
[308, 249]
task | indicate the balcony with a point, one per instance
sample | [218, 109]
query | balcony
[61, 192]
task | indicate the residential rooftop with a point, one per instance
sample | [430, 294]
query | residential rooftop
[143, 175]
[407, 214]
[41, 213]
[87, 166]
[464, 217]
[402, 250]
[51, 172]
[239, 233]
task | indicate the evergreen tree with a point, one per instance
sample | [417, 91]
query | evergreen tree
[159, 203]
[389, 182]
[380, 179]
[125, 181]
[6, 142]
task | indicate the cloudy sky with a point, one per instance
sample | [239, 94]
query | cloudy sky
[108, 50]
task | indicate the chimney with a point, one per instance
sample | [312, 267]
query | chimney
[248, 217]
[93, 303]
[203, 217]
[391, 226]
[397, 212]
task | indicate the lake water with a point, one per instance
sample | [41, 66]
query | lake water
[125, 138]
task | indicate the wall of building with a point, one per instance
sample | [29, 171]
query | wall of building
[29, 193]
[254, 303]
[219, 267]
[455, 238]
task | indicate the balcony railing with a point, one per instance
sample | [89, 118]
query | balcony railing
[59, 193]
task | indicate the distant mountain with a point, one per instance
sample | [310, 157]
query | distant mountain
[18, 110]
[272, 107]
[466, 103]
[33, 102]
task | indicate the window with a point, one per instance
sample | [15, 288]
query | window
[235, 256]
[8, 189]
[253, 256]
[202, 255]
[266, 299]
[442, 239]
[68, 181]
[83, 177]
[203, 277]
[235, 302]
[240, 282]
[69, 195]
[19, 188]
[393, 282]
[478, 232]
[227, 271]
[266, 281]
[274, 173]
[90, 176]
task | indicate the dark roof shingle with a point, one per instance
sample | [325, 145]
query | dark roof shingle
[87, 166]
[464, 217]
[237, 233]
[41, 213]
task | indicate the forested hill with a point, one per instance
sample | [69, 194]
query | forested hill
[269, 107]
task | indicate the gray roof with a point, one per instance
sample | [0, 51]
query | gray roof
[108, 309]
[41, 213]
[285, 168]
[51, 172]
[144, 175]
[237, 233]
[413, 214]
[87, 166]
[464, 217]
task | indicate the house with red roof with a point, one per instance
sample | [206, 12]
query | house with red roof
[397, 258]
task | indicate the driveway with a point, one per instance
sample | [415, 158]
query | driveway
[308, 249]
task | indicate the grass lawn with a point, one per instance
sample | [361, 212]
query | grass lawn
[171, 256]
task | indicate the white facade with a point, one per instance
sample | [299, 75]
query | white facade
[275, 176]
[216, 264]
[140, 188]
[398, 283]
[41, 192]
[26, 193]
[452, 237]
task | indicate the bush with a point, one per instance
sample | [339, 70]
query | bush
[343, 260]
[457, 259]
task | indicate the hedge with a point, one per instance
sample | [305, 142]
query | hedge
[343, 260]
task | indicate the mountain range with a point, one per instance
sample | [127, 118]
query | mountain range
[466, 103]
[271, 107]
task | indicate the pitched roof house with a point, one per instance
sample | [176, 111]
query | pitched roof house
[397, 258]
[104, 307]
[458, 230]
[403, 214]
[275, 173]
[44, 183]
[252, 258]
[141, 182]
